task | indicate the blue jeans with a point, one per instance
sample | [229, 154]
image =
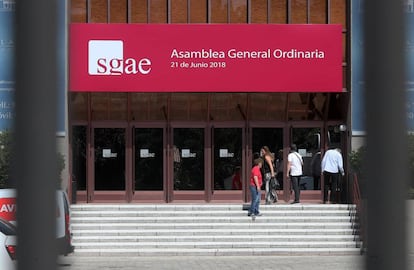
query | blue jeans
[254, 207]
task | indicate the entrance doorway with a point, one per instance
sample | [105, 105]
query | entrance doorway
[228, 162]
[308, 141]
[271, 137]
[109, 166]
[147, 163]
[188, 179]
[109, 158]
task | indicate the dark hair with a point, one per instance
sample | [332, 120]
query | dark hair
[293, 147]
[257, 161]
[334, 145]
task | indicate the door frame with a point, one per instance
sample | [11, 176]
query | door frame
[229, 195]
[109, 195]
[344, 145]
[75, 194]
[307, 195]
[282, 194]
[168, 194]
[188, 195]
[149, 195]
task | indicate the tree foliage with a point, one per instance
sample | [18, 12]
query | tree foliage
[356, 159]
[6, 161]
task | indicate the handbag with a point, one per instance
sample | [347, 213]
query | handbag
[274, 184]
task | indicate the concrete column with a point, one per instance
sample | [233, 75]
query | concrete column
[35, 168]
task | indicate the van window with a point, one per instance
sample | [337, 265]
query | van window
[7, 228]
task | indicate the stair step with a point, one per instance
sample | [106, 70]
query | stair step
[197, 232]
[210, 213]
[219, 252]
[205, 207]
[215, 225]
[218, 244]
[213, 229]
[235, 238]
[236, 219]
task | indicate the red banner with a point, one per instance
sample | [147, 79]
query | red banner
[205, 58]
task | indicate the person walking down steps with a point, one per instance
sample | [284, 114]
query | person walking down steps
[255, 188]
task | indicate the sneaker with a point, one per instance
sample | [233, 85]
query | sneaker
[249, 214]
[258, 214]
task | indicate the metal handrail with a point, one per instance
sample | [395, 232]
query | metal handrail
[357, 218]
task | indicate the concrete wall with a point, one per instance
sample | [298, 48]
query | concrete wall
[357, 142]
[410, 226]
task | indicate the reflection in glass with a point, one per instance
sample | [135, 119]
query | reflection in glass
[148, 159]
[79, 156]
[308, 142]
[188, 159]
[271, 137]
[109, 158]
[227, 158]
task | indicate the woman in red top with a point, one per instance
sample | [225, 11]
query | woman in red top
[255, 187]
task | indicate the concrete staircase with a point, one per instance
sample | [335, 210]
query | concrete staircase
[213, 230]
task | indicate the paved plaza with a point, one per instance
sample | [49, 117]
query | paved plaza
[218, 263]
[214, 263]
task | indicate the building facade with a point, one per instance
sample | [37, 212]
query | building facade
[171, 146]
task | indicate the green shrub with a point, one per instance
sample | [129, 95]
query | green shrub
[356, 159]
[411, 159]
[6, 161]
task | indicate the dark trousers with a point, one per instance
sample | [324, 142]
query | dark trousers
[295, 185]
[331, 183]
[316, 182]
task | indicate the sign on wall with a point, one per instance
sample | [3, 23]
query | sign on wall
[358, 80]
[357, 70]
[409, 8]
[205, 58]
[7, 83]
[7, 65]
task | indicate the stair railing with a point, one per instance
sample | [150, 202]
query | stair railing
[357, 215]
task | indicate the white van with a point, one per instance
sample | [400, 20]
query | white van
[8, 210]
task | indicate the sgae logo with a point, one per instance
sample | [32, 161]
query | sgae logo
[106, 57]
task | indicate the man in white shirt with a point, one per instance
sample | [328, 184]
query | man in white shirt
[294, 170]
[332, 167]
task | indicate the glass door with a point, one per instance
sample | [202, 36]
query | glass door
[79, 162]
[109, 163]
[308, 142]
[148, 169]
[273, 138]
[188, 163]
[227, 163]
